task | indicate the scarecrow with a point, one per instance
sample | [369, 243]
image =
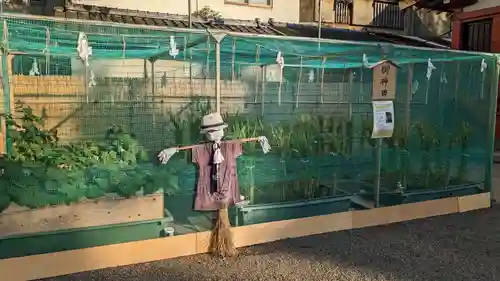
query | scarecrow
[217, 186]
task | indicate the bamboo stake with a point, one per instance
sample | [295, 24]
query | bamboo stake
[457, 86]
[228, 141]
[153, 92]
[280, 85]
[323, 80]
[263, 91]
[257, 59]
[349, 92]
[207, 65]
[481, 95]
[440, 89]
[298, 85]
[233, 59]
[47, 51]
[470, 82]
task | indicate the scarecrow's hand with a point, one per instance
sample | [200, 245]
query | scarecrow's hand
[166, 154]
[264, 143]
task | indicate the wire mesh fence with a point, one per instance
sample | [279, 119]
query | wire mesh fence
[76, 132]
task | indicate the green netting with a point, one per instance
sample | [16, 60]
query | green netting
[78, 141]
[122, 41]
[321, 131]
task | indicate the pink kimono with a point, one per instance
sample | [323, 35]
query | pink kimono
[212, 193]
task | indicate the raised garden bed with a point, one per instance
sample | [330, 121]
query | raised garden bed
[47, 185]
[72, 239]
[16, 220]
[390, 199]
[261, 213]
[290, 200]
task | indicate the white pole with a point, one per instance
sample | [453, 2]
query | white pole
[320, 19]
[190, 11]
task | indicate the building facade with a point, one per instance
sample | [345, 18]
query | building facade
[279, 10]
[477, 27]
[399, 17]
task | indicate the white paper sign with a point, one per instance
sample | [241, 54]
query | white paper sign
[383, 119]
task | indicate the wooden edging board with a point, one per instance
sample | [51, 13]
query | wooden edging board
[67, 262]
[17, 220]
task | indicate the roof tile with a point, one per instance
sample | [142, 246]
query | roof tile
[146, 18]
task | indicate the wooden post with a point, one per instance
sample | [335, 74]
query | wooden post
[262, 90]
[8, 100]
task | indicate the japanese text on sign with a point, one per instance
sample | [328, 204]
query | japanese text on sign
[384, 84]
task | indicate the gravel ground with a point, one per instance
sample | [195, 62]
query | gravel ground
[448, 248]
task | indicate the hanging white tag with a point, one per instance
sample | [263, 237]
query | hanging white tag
[311, 76]
[414, 87]
[444, 79]
[173, 47]
[83, 48]
[430, 68]
[484, 65]
[34, 68]
[280, 60]
[92, 79]
[365, 61]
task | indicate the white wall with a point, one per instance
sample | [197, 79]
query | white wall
[281, 10]
[134, 68]
[482, 4]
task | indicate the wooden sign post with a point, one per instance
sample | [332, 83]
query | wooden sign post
[383, 94]
[384, 80]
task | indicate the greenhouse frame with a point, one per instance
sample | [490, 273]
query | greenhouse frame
[81, 130]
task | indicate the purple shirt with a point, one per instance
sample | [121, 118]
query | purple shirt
[226, 192]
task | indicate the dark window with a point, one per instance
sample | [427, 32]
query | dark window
[23, 64]
[342, 10]
[387, 15]
[476, 36]
[250, 2]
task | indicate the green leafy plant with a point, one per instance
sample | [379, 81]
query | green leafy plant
[397, 165]
[366, 134]
[186, 125]
[462, 139]
[241, 127]
[206, 13]
[40, 171]
[280, 137]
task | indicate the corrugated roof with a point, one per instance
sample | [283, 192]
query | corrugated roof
[356, 35]
[440, 5]
[84, 12]
[89, 12]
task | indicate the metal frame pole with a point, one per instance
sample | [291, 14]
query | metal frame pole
[190, 17]
[6, 86]
[217, 76]
[408, 100]
[218, 39]
[378, 167]
[320, 17]
[320, 23]
[495, 73]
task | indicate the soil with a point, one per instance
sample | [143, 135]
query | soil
[455, 247]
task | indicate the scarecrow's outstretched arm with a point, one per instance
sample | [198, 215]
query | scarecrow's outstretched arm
[166, 154]
[243, 140]
[264, 143]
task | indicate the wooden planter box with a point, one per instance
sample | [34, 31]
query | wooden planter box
[112, 209]
[262, 213]
[392, 199]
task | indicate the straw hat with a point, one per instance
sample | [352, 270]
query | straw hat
[212, 122]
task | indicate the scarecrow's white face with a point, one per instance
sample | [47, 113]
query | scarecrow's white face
[215, 135]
